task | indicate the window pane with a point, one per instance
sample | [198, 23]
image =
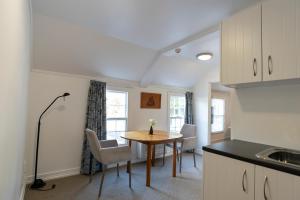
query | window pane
[176, 113]
[218, 124]
[120, 125]
[116, 128]
[218, 113]
[218, 106]
[116, 104]
[116, 113]
[110, 125]
[116, 136]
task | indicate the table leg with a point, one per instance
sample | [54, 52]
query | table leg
[128, 170]
[148, 175]
[174, 158]
[153, 155]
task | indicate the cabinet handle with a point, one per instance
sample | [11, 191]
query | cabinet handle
[265, 184]
[254, 66]
[269, 65]
[243, 181]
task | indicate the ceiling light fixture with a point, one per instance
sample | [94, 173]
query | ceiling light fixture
[204, 56]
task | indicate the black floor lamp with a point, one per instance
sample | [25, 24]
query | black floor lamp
[39, 183]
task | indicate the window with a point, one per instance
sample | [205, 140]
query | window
[116, 114]
[218, 115]
[176, 112]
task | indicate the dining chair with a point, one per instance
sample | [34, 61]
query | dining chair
[108, 152]
[186, 143]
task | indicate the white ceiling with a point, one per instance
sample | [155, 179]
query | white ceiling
[209, 43]
[120, 38]
[219, 87]
[148, 23]
[64, 47]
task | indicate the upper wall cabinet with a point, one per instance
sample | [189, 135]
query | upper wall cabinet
[241, 47]
[262, 43]
[280, 39]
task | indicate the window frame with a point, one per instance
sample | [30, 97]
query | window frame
[119, 118]
[170, 94]
[224, 116]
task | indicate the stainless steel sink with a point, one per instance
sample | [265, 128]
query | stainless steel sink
[282, 156]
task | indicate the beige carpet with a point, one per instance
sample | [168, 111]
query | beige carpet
[186, 186]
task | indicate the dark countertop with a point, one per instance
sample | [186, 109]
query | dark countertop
[246, 151]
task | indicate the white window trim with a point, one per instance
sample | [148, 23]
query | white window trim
[168, 113]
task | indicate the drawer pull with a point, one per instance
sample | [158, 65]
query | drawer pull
[270, 63]
[243, 180]
[265, 185]
[254, 66]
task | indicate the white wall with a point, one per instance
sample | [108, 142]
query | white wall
[202, 96]
[63, 126]
[14, 67]
[269, 115]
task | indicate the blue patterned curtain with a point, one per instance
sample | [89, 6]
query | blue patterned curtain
[96, 121]
[189, 108]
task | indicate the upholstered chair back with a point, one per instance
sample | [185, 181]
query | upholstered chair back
[188, 130]
[94, 143]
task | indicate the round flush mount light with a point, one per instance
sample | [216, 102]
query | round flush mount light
[204, 56]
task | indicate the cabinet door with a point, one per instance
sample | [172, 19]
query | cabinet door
[241, 47]
[226, 178]
[275, 185]
[280, 36]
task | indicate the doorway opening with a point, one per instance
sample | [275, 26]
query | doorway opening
[220, 113]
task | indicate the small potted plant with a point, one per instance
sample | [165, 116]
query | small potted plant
[152, 123]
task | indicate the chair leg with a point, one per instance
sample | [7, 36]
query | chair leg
[127, 167]
[180, 163]
[91, 177]
[129, 173]
[91, 168]
[102, 180]
[118, 173]
[177, 154]
[194, 157]
[164, 155]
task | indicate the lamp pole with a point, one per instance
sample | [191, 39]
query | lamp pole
[39, 183]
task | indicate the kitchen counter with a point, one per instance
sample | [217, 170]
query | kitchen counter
[246, 151]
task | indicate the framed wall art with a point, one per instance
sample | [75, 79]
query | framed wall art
[150, 100]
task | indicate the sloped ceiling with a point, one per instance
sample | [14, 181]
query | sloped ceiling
[120, 38]
[64, 47]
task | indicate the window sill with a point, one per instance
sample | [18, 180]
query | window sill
[218, 132]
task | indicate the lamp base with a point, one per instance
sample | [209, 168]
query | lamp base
[38, 183]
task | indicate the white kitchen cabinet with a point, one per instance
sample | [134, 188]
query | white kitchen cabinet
[262, 43]
[281, 39]
[275, 185]
[226, 178]
[241, 47]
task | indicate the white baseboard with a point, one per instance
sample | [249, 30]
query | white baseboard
[72, 172]
[76, 171]
[55, 174]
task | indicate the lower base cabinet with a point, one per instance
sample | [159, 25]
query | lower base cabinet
[230, 179]
[275, 185]
[227, 179]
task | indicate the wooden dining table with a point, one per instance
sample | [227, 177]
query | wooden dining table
[158, 137]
